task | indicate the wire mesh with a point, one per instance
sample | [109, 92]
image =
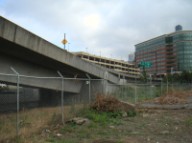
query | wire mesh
[41, 107]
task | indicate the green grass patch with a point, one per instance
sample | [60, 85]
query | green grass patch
[131, 113]
[189, 122]
[101, 117]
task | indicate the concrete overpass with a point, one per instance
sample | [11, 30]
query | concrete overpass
[33, 56]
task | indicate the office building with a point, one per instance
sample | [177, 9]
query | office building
[169, 53]
[131, 57]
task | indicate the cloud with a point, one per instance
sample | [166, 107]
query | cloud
[92, 22]
[107, 27]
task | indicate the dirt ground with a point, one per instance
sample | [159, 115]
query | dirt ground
[160, 126]
[155, 126]
[149, 126]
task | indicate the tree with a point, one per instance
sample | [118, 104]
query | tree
[184, 77]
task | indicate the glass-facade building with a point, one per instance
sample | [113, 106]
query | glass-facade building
[168, 53]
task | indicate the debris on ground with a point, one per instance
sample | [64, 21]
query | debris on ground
[173, 98]
[45, 132]
[78, 121]
[58, 135]
[111, 104]
[124, 114]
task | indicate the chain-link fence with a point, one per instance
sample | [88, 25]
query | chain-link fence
[139, 92]
[134, 93]
[27, 110]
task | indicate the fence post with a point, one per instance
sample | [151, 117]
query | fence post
[167, 85]
[124, 89]
[161, 88]
[89, 87]
[135, 93]
[62, 95]
[135, 90]
[17, 118]
[105, 87]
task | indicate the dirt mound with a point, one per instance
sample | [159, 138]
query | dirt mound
[110, 104]
[173, 98]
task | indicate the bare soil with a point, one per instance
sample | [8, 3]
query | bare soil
[149, 126]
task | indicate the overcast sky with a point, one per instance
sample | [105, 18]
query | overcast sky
[108, 28]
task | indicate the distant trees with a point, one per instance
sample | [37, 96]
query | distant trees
[184, 77]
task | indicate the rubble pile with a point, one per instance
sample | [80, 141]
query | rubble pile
[111, 104]
[173, 98]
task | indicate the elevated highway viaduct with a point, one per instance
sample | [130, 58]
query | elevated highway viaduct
[33, 56]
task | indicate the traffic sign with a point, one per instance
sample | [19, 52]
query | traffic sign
[64, 41]
[145, 64]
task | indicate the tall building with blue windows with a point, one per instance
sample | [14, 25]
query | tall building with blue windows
[168, 53]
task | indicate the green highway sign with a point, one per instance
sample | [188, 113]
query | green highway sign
[145, 64]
